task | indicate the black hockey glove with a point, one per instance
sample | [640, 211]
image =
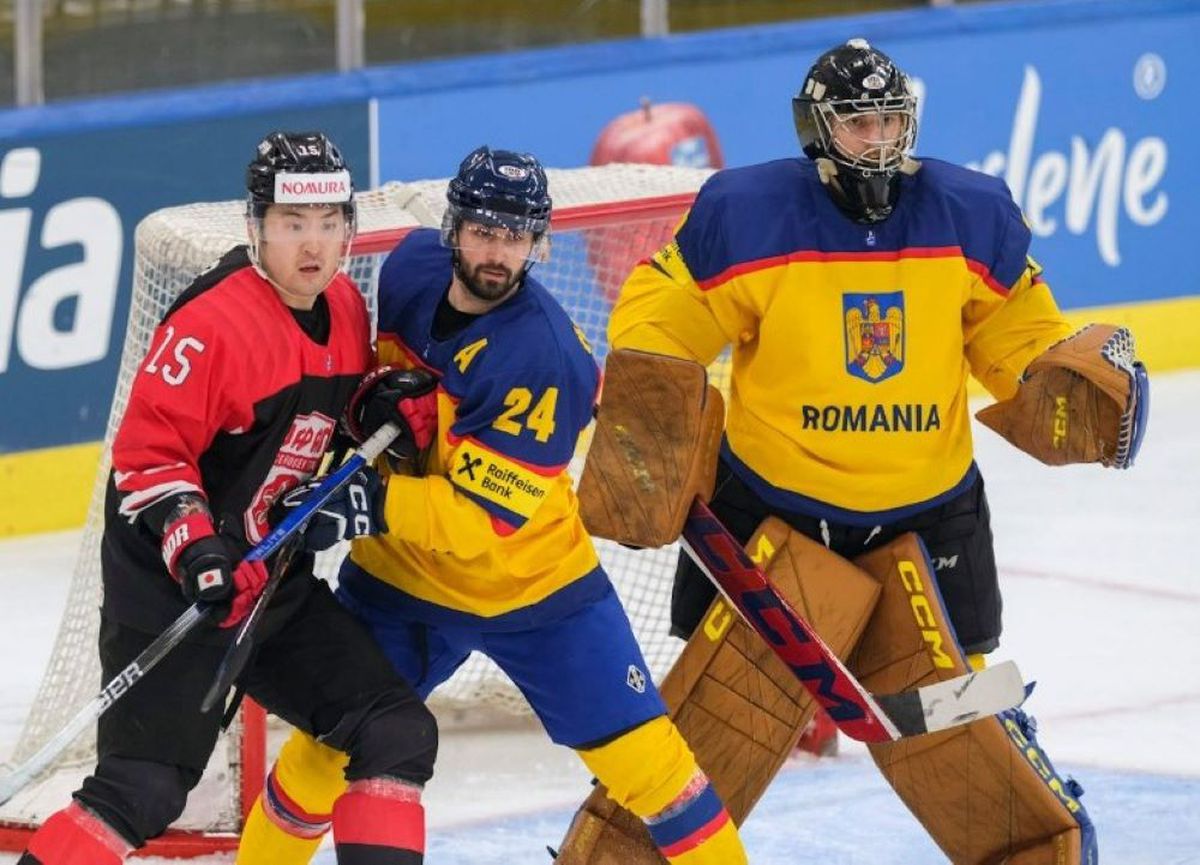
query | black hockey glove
[404, 397]
[354, 511]
[208, 566]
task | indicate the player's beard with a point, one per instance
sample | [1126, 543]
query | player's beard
[489, 287]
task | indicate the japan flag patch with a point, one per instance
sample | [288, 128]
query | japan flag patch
[210, 579]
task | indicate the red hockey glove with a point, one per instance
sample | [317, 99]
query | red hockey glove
[402, 396]
[202, 562]
[248, 581]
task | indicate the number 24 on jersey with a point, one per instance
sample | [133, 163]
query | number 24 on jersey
[517, 415]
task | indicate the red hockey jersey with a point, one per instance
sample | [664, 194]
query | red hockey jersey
[236, 402]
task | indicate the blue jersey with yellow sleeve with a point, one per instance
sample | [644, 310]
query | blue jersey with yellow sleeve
[494, 525]
[851, 343]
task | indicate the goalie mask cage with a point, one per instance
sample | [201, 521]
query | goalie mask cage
[605, 220]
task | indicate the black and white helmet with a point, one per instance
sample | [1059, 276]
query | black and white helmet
[855, 84]
[298, 168]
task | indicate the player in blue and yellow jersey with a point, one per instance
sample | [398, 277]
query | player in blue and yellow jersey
[858, 288]
[485, 551]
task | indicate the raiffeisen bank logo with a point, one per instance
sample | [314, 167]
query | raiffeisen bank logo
[64, 317]
[1094, 176]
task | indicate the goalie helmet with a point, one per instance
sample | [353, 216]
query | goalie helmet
[298, 168]
[500, 188]
[850, 86]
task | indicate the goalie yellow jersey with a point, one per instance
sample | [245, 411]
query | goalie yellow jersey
[494, 524]
[851, 343]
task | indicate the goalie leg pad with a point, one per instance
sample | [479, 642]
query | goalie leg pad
[984, 791]
[737, 705]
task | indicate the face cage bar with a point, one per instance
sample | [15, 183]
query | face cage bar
[891, 152]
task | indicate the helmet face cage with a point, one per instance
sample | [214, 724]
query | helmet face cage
[502, 190]
[844, 117]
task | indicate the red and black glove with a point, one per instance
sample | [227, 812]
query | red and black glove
[208, 566]
[404, 397]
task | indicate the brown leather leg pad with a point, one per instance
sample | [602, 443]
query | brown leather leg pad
[979, 790]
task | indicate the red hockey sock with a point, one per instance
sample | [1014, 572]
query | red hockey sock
[380, 821]
[76, 836]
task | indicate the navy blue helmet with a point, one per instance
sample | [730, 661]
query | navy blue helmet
[499, 188]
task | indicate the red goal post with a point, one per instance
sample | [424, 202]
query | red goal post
[605, 220]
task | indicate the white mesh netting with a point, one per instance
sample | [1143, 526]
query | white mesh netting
[605, 220]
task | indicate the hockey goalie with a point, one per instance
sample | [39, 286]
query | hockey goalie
[856, 288]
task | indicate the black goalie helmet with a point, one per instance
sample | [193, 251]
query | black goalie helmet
[298, 168]
[500, 188]
[856, 109]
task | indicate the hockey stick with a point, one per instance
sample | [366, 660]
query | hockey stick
[239, 651]
[188, 620]
[858, 713]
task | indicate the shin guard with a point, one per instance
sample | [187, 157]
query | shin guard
[985, 792]
[76, 836]
[738, 706]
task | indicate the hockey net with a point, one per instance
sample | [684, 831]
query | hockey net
[605, 220]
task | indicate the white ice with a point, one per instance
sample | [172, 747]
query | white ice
[1102, 608]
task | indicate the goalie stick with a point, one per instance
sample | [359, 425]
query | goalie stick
[193, 616]
[858, 713]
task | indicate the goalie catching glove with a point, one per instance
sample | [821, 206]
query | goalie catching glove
[1083, 400]
[354, 511]
[404, 397]
[207, 564]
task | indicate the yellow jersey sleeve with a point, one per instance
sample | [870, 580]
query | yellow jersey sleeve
[1003, 334]
[663, 309]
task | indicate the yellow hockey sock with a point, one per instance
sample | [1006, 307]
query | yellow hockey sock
[723, 847]
[651, 771]
[265, 842]
[290, 818]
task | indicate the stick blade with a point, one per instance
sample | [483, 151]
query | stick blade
[956, 701]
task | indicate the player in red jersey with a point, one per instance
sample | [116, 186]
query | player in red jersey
[234, 405]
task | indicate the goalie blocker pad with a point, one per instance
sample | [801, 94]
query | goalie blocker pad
[654, 448]
[984, 791]
[736, 703]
